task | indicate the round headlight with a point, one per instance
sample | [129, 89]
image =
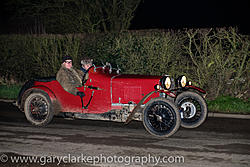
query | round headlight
[183, 81]
[168, 83]
[165, 82]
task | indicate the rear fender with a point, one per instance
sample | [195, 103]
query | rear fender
[36, 88]
[47, 90]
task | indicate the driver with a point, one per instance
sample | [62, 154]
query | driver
[70, 78]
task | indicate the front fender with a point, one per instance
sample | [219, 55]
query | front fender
[196, 88]
[138, 106]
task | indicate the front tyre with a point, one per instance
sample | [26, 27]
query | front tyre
[193, 109]
[161, 117]
[38, 108]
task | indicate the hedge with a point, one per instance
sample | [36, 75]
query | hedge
[214, 59]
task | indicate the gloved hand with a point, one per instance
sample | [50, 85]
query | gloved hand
[81, 94]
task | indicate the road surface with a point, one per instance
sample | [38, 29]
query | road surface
[218, 142]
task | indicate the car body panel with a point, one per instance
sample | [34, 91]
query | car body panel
[132, 88]
[106, 90]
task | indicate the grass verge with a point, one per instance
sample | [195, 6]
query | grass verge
[9, 92]
[222, 104]
[228, 104]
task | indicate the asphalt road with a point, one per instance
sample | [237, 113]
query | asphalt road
[218, 142]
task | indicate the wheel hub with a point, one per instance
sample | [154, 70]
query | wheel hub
[189, 110]
[39, 107]
[159, 118]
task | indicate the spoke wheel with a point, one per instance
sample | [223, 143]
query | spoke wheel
[38, 109]
[193, 109]
[161, 118]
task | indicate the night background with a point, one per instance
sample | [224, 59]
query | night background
[192, 14]
[162, 14]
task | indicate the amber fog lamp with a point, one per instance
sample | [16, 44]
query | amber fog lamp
[165, 82]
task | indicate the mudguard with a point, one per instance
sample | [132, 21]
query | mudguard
[26, 91]
[138, 106]
[196, 88]
[47, 90]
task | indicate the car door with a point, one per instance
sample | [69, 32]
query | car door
[97, 90]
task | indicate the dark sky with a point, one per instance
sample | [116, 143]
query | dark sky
[192, 14]
[175, 14]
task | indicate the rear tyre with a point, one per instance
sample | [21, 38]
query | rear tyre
[38, 109]
[193, 109]
[161, 117]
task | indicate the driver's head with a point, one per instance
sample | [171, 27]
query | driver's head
[86, 63]
[67, 61]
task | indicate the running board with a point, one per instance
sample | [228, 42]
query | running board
[109, 116]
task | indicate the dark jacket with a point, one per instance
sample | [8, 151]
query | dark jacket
[85, 75]
[70, 79]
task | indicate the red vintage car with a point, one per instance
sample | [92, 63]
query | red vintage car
[160, 102]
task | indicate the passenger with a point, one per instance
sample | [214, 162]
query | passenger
[86, 64]
[70, 78]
